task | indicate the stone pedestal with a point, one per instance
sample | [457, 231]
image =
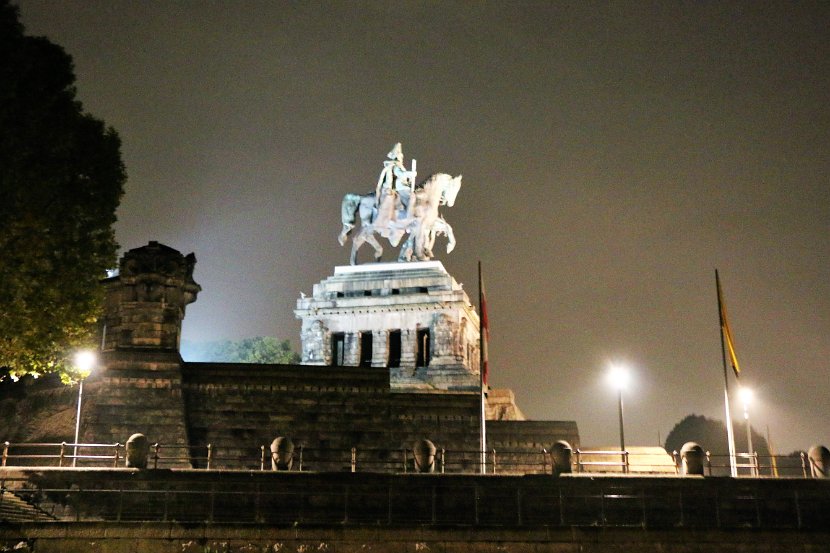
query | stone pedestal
[415, 317]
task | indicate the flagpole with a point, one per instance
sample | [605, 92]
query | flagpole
[730, 433]
[482, 354]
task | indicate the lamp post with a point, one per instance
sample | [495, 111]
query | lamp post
[84, 362]
[746, 397]
[618, 377]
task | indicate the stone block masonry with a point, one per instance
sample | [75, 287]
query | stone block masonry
[240, 511]
[414, 317]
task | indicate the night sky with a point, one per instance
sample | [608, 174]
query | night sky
[614, 154]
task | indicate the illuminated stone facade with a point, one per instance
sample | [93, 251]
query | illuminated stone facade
[413, 318]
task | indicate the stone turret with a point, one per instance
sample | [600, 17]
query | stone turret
[138, 387]
[145, 302]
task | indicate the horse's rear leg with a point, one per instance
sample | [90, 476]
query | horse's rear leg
[357, 241]
[344, 234]
[375, 244]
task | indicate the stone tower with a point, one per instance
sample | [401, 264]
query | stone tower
[138, 388]
[413, 318]
[145, 302]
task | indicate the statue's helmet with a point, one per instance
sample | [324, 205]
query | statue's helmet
[396, 153]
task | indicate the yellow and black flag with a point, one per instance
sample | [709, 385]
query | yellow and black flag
[727, 333]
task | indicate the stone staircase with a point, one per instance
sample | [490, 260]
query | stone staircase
[15, 509]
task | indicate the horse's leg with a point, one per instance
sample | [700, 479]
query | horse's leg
[421, 241]
[430, 242]
[370, 238]
[357, 241]
[406, 250]
[348, 208]
[344, 234]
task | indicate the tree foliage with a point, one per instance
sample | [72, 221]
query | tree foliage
[262, 349]
[61, 180]
[711, 435]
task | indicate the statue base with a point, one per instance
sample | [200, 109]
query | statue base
[413, 318]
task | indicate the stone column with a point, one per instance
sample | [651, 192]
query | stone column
[313, 343]
[352, 345]
[408, 345]
[380, 348]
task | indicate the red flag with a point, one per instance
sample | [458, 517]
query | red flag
[485, 332]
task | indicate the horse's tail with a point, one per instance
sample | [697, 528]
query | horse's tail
[348, 209]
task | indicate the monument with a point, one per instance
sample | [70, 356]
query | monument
[411, 316]
[390, 359]
[388, 389]
[398, 207]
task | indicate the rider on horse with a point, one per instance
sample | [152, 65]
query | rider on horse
[394, 177]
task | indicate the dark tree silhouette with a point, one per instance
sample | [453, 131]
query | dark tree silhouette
[61, 180]
[711, 435]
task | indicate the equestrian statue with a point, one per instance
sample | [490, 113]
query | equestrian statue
[399, 207]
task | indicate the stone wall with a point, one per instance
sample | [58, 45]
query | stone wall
[325, 410]
[106, 537]
[338, 417]
[238, 408]
[189, 511]
[138, 392]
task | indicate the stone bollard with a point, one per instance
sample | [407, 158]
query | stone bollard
[137, 448]
[561, 455]
[692, 459]
[819, 457]
[424, 453]
[282, 453]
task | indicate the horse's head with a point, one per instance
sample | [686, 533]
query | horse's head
[451, 188]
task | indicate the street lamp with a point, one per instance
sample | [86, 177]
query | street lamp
[85, 361]
[618, 377]
[746, 397]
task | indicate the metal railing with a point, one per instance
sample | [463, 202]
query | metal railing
[607, 461]
[210, 457]
[63, 454]
[756, 465]
[403, 460]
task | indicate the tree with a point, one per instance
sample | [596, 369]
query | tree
[61, 180]
[712, 437]
[262, 349]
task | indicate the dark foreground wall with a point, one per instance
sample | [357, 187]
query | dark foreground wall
[206, 511]
[176, 538]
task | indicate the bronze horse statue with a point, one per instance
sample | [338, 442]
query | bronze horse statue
[399, 212]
